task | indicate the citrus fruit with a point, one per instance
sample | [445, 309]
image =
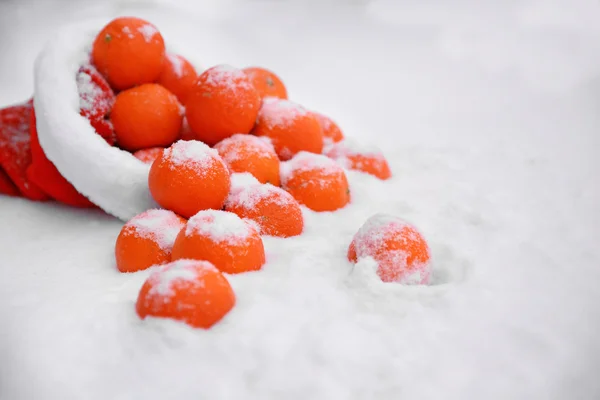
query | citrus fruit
[290, 127]
[230, 243]
[189, 291]
[188, 177]
[397, 246]
[247, 153]
[147, 239]
[315, 181]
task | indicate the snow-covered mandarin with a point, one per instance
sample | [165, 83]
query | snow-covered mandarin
[352, 155]
[315, 181]
[190, 291]
[189, 177]
[147, 239]
[222, 103]
[291, 127]
[274, 210]
[401, 251]
[232, 244]
[248, 153]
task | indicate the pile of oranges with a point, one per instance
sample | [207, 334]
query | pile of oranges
[199, 133]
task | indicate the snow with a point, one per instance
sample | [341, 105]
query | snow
[228, 148]
[304, 161]
[277, 112]
[250, 195]
[177, 63]
[375, 233]
[226, 76]
[162, 226]
[192, 154]
[148, 31]
[219, 226]
[175, 273]
[240, 180]
[488, 115]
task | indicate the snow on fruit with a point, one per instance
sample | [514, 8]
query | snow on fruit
[191, 291]
[402, 254]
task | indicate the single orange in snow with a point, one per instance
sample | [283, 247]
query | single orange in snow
[128, 52]
[247, 153]
[222, 103]
[190, 291]
[146, 116]
[331, 131]
[315, 181]
[188, 177]
[147, 239]
[400, 250]
[290, 127]
[266, 82]
[178, 76]
[222, 238]
[273, 209]
[148, 155]
[352, 155]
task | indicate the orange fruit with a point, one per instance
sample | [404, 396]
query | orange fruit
[273, 209]
[128, 52]
[266, 82]
[222, 238]
[400, 250]
[147, 239]
[146, 116]
[290, 127]
[178, 76]
[148, 155]
[190, 291]
[354, 156]
[331, 131]
[315, 181]
[247, 153]
[188, 177]
[222, 103]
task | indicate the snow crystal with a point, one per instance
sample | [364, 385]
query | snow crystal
[240, 180]
[177, 272]
[191, 153]
[225, 75]
[228, 148]
[177, 64]
[305, 161]
[393, 262]
[349, 147]
[148, 31]
[280, 112]
[162, 226]
[92, 99]
[249, 196]
[219, 225]
[127, 32]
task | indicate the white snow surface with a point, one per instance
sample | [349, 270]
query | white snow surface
[488, 115]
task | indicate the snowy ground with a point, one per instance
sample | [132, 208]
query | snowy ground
[489, 113]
